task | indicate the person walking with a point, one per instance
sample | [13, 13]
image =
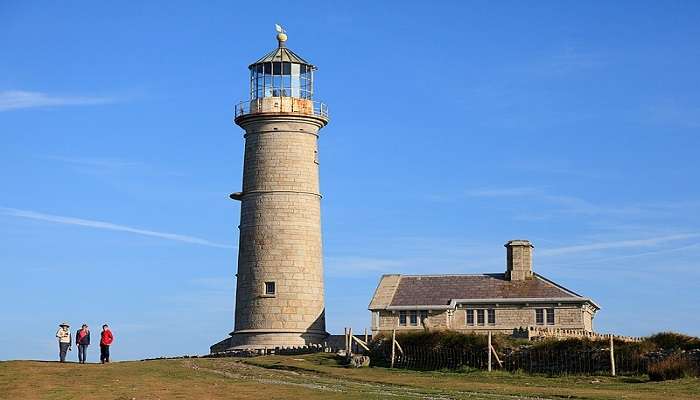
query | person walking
[106, 340]
[64, 340]
[82, 340]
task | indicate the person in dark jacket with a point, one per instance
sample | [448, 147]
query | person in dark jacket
[106, 340]
[82, 340]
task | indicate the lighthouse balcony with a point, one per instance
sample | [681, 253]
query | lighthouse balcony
[282, 104]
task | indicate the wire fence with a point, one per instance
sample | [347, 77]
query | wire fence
[528, 360]
[584, 362]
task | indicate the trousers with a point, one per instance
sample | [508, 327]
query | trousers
[63, 350]
[104, 353]
[82, 352]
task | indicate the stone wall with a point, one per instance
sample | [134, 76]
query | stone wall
[508, 318]
[539, 333]
[280, 234]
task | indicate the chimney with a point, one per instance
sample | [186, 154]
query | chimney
[518, 260]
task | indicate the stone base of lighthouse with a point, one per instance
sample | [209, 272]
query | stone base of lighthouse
[265, 339]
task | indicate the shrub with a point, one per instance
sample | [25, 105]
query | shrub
[674, 341]
[675, 366]
[446, 339]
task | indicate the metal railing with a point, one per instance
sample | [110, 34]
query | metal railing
[281, 105]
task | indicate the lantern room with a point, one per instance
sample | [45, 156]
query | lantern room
[281, 81]
[281, 73]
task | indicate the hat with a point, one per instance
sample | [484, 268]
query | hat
[64, 324]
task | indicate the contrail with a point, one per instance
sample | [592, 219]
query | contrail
[619, 244]
[108, 226]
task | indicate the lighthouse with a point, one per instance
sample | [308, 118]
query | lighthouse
[279, 282]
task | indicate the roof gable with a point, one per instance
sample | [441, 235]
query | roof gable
[385, 292]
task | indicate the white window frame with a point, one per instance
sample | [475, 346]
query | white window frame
[264, 289]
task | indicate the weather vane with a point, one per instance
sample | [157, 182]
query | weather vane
[281, 34]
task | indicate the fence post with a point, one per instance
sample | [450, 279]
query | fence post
[366, 337]
[612, 356]
[488, 350]
[393, 345]
[350, 341]
[346, 340]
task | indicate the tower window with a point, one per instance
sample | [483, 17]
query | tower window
[270, 289]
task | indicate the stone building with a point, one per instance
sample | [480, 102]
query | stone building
[279, 288]
[518, 300]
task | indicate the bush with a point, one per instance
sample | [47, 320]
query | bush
[446, 339]
[673, 367]
[674, 341]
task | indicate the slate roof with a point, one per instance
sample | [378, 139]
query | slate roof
[440, 289]
[281, 54]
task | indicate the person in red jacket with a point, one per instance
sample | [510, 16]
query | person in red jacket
[106, 340]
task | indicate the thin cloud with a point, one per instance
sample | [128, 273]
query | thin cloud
[108, 226]
[351, 266]
[103, 163]
[502, 192]
[565, 204]
[651, 242]
[18, 99]
[671, 112]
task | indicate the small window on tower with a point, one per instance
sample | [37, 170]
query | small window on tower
[270, 288]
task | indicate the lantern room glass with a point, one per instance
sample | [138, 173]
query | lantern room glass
[281, 79]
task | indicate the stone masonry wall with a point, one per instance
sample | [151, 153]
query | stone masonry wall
[280, 235]
[507, 319]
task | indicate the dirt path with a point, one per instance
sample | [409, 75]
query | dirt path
[310, 380]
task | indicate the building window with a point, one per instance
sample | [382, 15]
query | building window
[480, 317]
[414, 318]
[539, 316]
[550, 316]
[423, 316]
[269, 288]
[492, 316]
[470, 317]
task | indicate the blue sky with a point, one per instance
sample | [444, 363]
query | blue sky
[455, 127]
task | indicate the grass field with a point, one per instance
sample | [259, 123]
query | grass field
[306, 377]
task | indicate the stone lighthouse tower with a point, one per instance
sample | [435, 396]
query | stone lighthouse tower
[279, 289]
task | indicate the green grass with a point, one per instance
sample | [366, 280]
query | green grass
[317, 376]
